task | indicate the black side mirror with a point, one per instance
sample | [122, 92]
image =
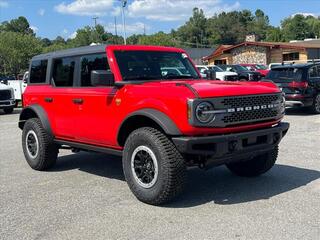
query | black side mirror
[102, 78]
[211, 75]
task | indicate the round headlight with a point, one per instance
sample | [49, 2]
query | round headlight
[203, 113]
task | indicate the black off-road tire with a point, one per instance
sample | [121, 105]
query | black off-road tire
[171, 166]
[255, 166]
[47, 150]
[8, 110]
[315, 108]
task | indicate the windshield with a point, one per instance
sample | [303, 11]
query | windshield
[154, 65]
[215, 68]
[239, 68]
[261, 67]
[285, 74]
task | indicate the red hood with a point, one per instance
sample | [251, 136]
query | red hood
[206, 88]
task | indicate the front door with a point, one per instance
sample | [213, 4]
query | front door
[93, 121]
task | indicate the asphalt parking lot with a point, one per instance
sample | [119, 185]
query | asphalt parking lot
[85, 196]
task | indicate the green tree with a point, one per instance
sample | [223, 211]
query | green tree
[160, 39]
[194, 32]
[16, 50]
[19, 25]
[260, 24]
[274, 34]
[296, 28]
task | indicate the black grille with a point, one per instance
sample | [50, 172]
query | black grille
[5, 95]
[248, 101]
[260, 107]
[231, 78]
[249, 116]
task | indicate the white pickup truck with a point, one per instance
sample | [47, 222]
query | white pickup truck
[220, 74]
[18, 86]
[7, 100]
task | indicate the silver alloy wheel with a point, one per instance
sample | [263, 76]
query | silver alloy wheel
[317, 103]
[32, 144]
[144, 166]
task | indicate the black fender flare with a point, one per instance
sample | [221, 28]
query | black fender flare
[35, 110]
[166, 123]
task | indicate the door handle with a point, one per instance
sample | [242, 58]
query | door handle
[77, 100]
[48, 99]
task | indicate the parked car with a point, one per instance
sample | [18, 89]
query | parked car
[300, 83]
[115, 99]
[7, 101]
[220, 74]
[262, 69]
[243, 73]
[18, 87]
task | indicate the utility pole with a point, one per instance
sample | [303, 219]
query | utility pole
[123, 5]
[144, 29]
[95, 21]
[115, 26]
[115, 30]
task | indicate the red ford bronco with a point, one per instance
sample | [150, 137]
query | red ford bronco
[149, 105]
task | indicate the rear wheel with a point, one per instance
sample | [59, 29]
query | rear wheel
[153, 168]
[8, 110]
[316, 104]
[38, 147]
[255, 166]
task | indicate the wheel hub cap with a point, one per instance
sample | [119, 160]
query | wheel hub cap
[144, 166]
[32, 144]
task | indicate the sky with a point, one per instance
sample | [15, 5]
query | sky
[50, 18]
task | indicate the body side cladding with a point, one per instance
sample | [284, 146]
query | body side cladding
[35, 111]
[161, 119]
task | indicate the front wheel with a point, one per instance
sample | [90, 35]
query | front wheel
[154, 169]
[255, 166]
[316, 104]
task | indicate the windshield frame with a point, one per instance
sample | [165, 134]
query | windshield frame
[185, 60]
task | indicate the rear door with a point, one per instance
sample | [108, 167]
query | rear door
[62, 95]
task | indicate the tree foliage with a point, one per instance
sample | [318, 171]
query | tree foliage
[16, 50]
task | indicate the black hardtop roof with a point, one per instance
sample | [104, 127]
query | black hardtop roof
[297, 65]
[72, 52]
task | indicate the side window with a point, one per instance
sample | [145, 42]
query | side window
[38, 71]
[314, 72]
[63, 71]
[92, 62]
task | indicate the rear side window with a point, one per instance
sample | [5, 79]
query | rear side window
[38, 71]
[314, 72]
[92, 62]
[63, 72]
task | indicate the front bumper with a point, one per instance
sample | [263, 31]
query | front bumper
[226, 148]
[293, 100]
[7, 103]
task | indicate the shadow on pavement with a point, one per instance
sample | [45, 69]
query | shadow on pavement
[217, 185]
[299, 111]
[95, 163]
[15, 111]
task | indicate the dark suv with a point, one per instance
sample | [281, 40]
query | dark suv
[243, 73]
[300, 83]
